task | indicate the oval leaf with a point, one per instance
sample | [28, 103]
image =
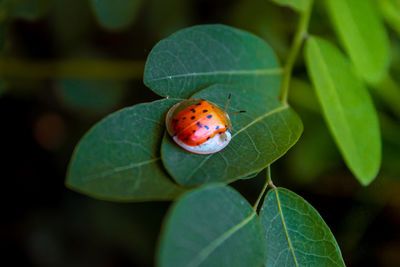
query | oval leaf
[363, 35]
[298, 5]
[118, 159]
[295, 234]
[260, 136]
[200, 56]
[211, 226]
[115, 14]
[347, 107]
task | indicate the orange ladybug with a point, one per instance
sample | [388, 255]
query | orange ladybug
[199, 126]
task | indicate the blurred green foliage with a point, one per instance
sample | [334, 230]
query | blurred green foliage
[82, 231]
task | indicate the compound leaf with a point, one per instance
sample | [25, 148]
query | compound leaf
[295, 234]
[211, 226]
[200, 56]
[118, 159]
[259, 137]
[347, 107]
[363, 36]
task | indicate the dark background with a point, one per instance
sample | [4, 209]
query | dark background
[44, 112]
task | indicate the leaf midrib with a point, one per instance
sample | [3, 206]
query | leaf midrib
[273, 71]
[332, 87]
[271, 112]
[205, 252]
[90, 178]
[285, 227]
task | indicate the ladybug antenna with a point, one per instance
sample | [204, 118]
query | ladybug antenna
[227, 102]
[237, 112]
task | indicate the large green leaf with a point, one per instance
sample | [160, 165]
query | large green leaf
[118, 159]
[115, 14]
[299, 5]
[347, 107]
[260, 136]
[391, 12]
[211, 226]
[295, 234]
[200, 56]
[363, 35]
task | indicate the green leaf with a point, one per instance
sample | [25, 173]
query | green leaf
[363, 36]
[347, 107]
[200, 56]
[118, 159]
[211, 226]
[298, 5]
[115, 14]
[295, 234]
[29, 9]
[259, 137]
[390, 10]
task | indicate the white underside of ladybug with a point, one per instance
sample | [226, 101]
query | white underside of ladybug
[213, 145]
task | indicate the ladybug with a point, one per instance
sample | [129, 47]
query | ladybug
[199, 126]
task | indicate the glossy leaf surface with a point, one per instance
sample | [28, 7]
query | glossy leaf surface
[295, 234]
[347, 107]
[211, 226]
[200, 56]
[363, 35]
[260, 136]
[118, 159]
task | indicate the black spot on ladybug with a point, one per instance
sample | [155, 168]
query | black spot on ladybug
[207, 127]
[216, 128]
[184, 118]
[194, 131]
[209, 116]
[193, 110]
[186, 138]
[198, 104]
[208, 138]
[199, 124]
[192, 118]
[204, 111]
[175, 120]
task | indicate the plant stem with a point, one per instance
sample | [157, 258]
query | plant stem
[84, 69]
[267, 182]
[300, 35]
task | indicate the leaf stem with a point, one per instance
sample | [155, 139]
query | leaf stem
[300, 35]
[267, 182]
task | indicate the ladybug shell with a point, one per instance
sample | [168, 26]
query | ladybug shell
[199, 126]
